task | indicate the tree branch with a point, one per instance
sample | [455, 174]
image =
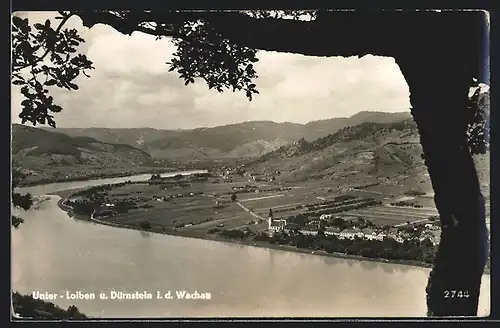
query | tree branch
[66, 17]
[332, 33]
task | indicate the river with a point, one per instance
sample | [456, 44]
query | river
[54, 253]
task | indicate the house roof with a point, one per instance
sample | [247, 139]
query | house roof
[277, 223]
[350, 231]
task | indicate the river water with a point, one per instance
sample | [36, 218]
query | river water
[54, 253]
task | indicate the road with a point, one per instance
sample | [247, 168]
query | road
[248, 210]
[427, 208]
[367, 191]
[259, 198]
[412, 222]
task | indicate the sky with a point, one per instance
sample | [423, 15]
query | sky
[131, 87]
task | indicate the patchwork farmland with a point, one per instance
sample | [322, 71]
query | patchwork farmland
[204, 205]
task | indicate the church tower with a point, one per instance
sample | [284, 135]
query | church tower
[270, 219]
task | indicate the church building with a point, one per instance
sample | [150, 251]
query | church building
[275, 226]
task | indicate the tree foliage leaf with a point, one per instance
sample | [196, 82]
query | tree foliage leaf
[48, 56]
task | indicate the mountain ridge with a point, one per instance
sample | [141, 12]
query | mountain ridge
[368, 153]
[38, 147]
[245, 139]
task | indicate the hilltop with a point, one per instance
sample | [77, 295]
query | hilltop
[34, 147]
[368, 153]
[247, 139]
[367, 149]
[321, 128]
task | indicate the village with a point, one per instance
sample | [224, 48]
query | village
[356, 227]
[230, 199]
[345, 226]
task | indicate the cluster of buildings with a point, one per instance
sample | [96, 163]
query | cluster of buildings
[431, 232]
[105, 210]
[183, 195]
[226, 172]
[267, 177]
[246, 188]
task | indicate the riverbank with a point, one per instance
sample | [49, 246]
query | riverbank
[90, 176]
[217, 238]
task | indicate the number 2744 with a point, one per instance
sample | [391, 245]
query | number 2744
[452, 293]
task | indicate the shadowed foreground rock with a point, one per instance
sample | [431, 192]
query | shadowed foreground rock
[29, 308]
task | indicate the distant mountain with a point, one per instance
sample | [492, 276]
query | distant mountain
[248, 139]
[367, 149]
[39, 147]
[318, 129]
[362, 154]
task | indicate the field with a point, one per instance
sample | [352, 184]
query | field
[202, 206]
[197, 208]
[391, 215]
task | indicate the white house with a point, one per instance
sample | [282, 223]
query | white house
[433, 236]
[330, 231]
[396, 237]
[372, 234]
[309, 231]
[326, 216]
[350, 234]
[77, 199]
[276, 225]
